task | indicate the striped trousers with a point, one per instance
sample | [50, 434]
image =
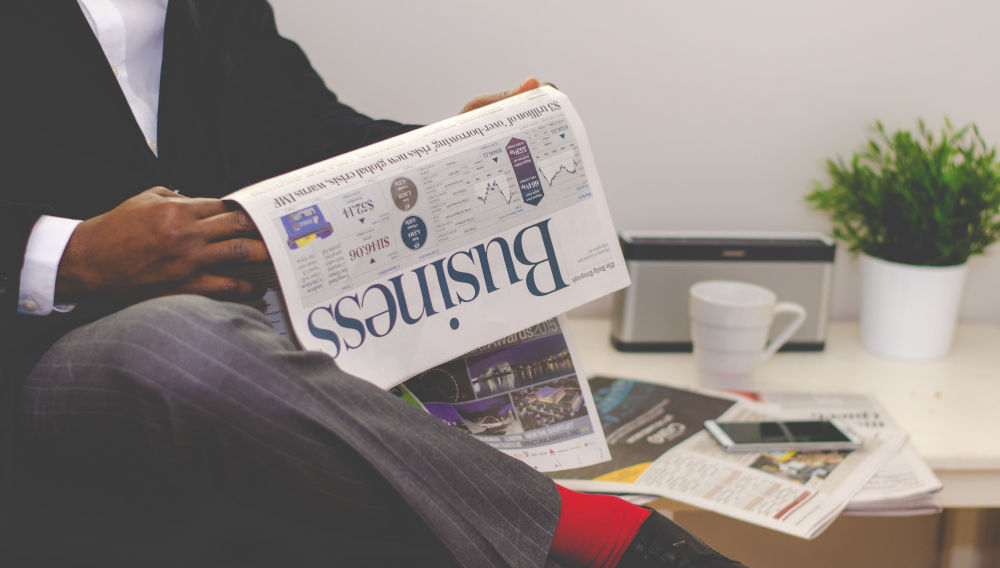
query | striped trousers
[183, 431]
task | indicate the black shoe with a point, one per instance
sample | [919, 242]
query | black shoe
[662, 543]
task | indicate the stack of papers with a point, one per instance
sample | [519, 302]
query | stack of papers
[659, 447]
[904, 485]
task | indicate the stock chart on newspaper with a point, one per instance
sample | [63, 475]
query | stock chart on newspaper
[394, 221]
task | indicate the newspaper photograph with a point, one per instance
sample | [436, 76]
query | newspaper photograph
[794, 492]
[521, 394]
[407, 253]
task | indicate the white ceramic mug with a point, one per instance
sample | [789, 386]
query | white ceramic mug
[729, 328]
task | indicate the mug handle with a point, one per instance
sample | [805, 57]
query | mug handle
[792, 327]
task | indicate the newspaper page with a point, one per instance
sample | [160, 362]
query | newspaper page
[641, 421]
[522, 394]
[797, 493]
[905, 485]
[412, 251]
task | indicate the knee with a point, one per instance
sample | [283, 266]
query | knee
[172, 329]
[189, 309]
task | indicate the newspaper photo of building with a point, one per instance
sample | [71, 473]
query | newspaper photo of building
[520, 392]
[448, 382]
[550, 403]
[493, 416]
[520, 366]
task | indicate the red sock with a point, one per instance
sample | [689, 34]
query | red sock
[595, 530]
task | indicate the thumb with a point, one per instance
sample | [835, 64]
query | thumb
[528, 84]
[483, 100]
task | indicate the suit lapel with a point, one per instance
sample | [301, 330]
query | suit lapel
[187, 128]
[175, 84]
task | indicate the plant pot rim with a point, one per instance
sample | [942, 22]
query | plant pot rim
[915, 266]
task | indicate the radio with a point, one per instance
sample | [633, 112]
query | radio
[652, 313]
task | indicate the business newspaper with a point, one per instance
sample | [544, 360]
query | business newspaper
[408, 253]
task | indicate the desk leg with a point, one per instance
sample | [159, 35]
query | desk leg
[970, 538]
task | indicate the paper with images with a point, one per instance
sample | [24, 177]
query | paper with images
[642, 421]
[798, 493]
[904, 485]
[522, 394]
[407, 253]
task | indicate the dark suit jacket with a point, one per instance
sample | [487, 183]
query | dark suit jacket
[238, 103]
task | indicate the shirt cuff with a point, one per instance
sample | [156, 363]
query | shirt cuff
[45, 248]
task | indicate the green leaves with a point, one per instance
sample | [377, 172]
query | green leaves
[925, 199]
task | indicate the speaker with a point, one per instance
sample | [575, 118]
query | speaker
[652, 313]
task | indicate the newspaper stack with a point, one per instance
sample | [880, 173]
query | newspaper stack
[658, 447]
[905, 485]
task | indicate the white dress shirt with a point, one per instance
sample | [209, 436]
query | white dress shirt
[131, 35]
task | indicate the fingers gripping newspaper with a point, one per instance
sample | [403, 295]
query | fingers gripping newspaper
[406, 254]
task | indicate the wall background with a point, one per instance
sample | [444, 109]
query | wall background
[703, 115]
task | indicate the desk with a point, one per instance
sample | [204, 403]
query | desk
[950, 406]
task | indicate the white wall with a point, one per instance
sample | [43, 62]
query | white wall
[703, 114]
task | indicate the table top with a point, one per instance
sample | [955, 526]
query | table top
[948, 406]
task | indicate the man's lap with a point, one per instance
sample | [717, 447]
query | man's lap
[147, 420]
[183, 401]
[166, 388]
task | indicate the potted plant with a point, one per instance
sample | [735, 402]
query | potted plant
[916, 207]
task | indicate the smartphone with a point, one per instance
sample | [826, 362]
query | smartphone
[783, 435]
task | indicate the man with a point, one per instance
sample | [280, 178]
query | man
[139, 403]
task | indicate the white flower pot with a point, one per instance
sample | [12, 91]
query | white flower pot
[909, 311]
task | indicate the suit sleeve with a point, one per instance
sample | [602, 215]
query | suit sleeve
[19, 209]
[278, 110]
[16, 221]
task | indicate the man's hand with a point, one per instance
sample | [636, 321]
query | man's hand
[483, 100]
[159, 243]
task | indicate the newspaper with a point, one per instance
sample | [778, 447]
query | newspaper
[410, 252]
[641, 422]
[905, 485]
[798, 493]
[522, 394]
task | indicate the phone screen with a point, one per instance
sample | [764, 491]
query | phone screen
[782, 432]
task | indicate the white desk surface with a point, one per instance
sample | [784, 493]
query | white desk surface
[950, 406]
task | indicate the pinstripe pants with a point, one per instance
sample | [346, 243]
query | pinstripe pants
[134, 427]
